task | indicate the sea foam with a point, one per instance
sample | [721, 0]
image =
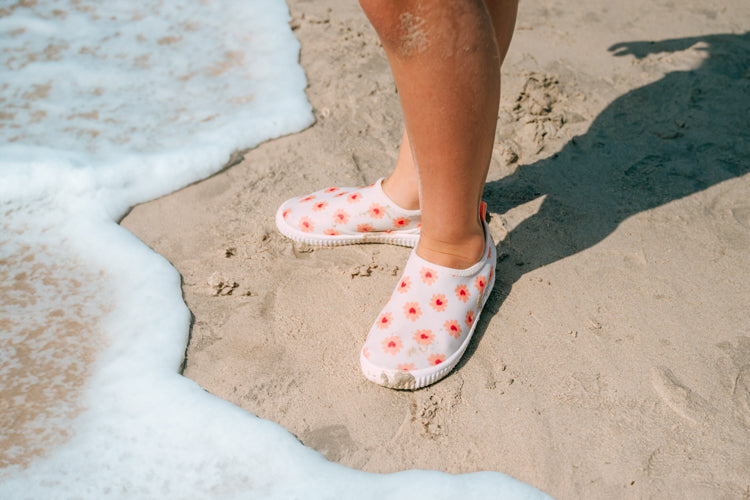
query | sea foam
[105, 105]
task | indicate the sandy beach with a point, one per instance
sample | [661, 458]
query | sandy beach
[613, 360]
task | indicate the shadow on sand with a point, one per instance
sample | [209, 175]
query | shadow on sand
[658, 143]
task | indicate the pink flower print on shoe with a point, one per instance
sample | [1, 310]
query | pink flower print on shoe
[401, 222]
[428, 276]
[423, 337]
[340, 217]
[391, 345]
[480, 283]
[434, 311]
[453, 328]
[412, 311]
[306, 225]
[403, 285]
[436, 359]
[469, 318]
[385, 320]
[437, 302]
[345, 216]
[376, 211]
[462, 293]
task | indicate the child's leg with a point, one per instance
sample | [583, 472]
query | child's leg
[445, 61]
[402, 184]
[503, 14]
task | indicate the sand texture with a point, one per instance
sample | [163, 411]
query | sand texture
[613, 360]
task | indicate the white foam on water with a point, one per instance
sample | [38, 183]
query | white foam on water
[105, 105]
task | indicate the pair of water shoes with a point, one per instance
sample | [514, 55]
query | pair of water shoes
[424, 329]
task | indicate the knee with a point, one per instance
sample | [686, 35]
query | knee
[386, 16]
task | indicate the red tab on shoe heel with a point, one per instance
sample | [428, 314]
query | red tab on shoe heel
[483, 211]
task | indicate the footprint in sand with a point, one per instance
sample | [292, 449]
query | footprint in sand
[741, 395]
[684, 401]
[734, 370]
[738, 352]
[742, 215]
[333, 441]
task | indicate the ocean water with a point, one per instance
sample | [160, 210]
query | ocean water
[104, 105]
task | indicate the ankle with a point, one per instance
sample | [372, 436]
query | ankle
[404, 194]
[456, 253]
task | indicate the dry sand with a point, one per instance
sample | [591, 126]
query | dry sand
[614, 358]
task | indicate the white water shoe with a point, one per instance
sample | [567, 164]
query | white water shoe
[425, 327]
[346, 216]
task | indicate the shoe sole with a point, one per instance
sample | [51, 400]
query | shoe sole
[412, 380]
[393, 238]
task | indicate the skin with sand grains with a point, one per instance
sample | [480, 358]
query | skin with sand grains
[414, 38]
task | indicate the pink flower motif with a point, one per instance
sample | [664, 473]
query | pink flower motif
[454, 329]
[438, 302]
[321, 205]
[331, 232]
[364, 228]
[412, 311]
[489, 253]
[462, 293]
[306, 225]
[308, 198]
[428, 276]
[354, 197]
[436, 359]
[384, 321]
[391, 345]
[405, 366]
[423, 337]
[404, 285]
[342, 193]
[366, 352]
[401, 222]
[469, 318]
[376, 211]
[492, 273]
[331, 190]
[340, 217]
[286, 212]
[480, 283]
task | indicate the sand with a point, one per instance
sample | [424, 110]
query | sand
[613, 360]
